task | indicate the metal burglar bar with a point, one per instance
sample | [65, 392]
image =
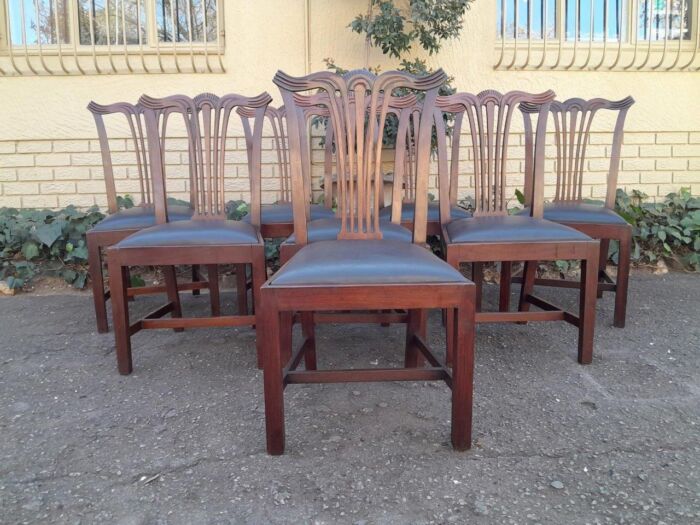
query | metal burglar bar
[82, 37]
[625, 35]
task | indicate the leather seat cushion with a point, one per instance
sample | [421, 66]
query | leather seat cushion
[140, 217]
[511, 228]
[193, 233]
[282, 213]
[328, 229]
[365, 262]
[579, 213]
[408, 210]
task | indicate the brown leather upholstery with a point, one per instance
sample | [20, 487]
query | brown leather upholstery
[140, 217]
[408, 209]
[510, 228]
[579, 213]
[193, 233]
[364, 262]
[328, 229]
[282, 213]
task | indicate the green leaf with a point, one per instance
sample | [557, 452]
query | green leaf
[136, 281]
[30, 250]
[519, 195]
[48, 233]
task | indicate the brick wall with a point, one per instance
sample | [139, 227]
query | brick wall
[57, 173]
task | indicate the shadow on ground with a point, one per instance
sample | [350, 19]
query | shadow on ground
[181, 440]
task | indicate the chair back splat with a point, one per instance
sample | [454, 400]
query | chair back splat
[488, 117]
[135, 120]
[206, 120]
[357, 105]
[277, 118]
[572, 127]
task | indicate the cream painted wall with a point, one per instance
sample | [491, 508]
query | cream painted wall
[662, 146]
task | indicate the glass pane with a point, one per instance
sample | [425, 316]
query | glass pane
[531, 14]
[582, 16]
[655, 16]
[186, 13]
[113, 21]
[38, 22]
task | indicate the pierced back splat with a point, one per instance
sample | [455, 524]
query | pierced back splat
[357, 132]
[487, 117]
[572, 127]
[206, 119]
[134, 116]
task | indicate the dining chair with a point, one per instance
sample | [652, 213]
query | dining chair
[573, 120]
[120, 223]
[492, 235]
[404, 177]
[208, 238]
[361, 268]
[277, 220]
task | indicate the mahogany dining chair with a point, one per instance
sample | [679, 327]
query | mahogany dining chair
[362, 268]
[573, 119]
[492, 235]
[208, 238]
[120, 223]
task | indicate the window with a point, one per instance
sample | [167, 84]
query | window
[75, 36]
[598, 34]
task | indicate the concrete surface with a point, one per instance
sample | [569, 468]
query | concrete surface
[182, 441]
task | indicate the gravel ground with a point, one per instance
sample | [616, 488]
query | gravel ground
[181, 440]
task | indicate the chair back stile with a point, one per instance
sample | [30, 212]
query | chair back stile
[206, 119]
[573, 119]
[357, 132]
[135, 118]
[488, 117]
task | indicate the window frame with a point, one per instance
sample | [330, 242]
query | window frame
[629, 43]
[152, 43]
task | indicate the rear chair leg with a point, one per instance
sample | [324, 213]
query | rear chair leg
[214, 297]
[529, 274]
[259, 276]
[416, 326]
[196, 277]
[463, 376]
[242, 289]
[98, 285]
[589, 289]
[120, 314]
[603, 261]
[308, 330]
[504, 291]
[622, 282]
[173, 295]
[478, 279]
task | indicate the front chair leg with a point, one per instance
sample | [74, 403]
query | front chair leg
[98, 285]
[214, 297]
[273, 380]
[120, 314]
[463, 375]
[587, 300]
[173, 294]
